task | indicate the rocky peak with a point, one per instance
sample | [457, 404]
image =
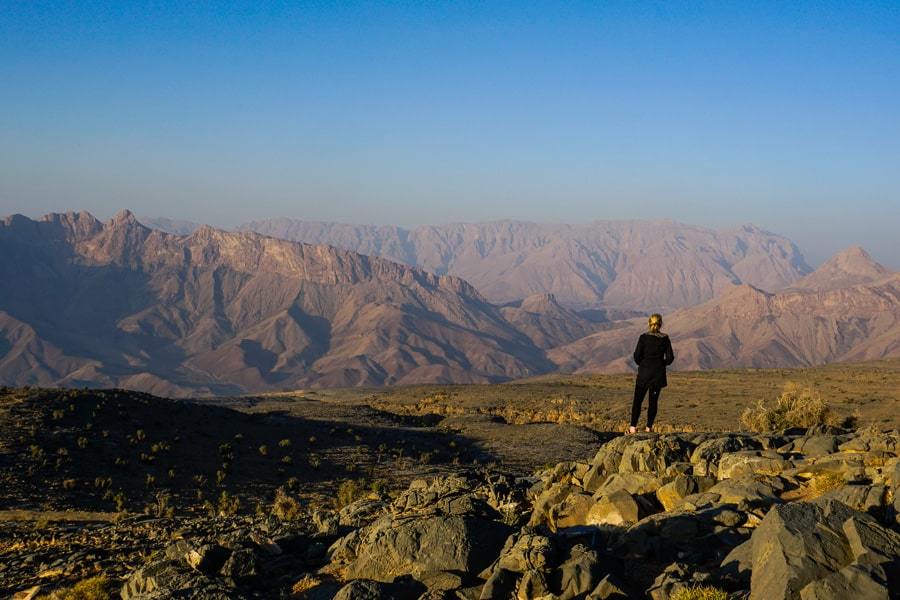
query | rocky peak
[850, 267]
[541, 303]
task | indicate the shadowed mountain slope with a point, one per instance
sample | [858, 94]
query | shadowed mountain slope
[121, 305]
[644, 265]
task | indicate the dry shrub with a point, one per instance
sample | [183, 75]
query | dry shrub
[95, 588]
[796, 407]
[306, 583]
[700, 592]
[826, 482]
[286, 507]
[349, 492]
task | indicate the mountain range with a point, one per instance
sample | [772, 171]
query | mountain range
[630, 265]
[212, 312]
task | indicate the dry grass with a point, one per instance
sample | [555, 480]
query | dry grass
[700, 592]
[797, 406]
[95, 588]
[714, 400]
[826, 482]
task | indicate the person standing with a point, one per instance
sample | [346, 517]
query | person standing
[652, 355]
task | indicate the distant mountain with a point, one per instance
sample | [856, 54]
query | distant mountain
[631, 265]
[176, 226]
[850, 267]
[118, 304]
[834, 315]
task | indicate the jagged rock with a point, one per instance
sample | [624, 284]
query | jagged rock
[864, 498]
[572, 511]
[444, 540]
[613, 588]
[671, 493]
[654, 454]
[578, 575]
[707, 454]
[736, 568]
[806, 543]
[530, 549]
[363, 589]
[549, 498]
[750, 490]
[615, 508]
[676, 577]
[208, 559]
[534, 584]
[360, 513]
[814, 446]
[445, 496]
[752, 462]
[427, 545]
[500, 585]
[633, 483]
[326, 521]
[241, 567]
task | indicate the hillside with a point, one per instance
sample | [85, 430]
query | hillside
[120, 305]
[117, 304]
[633, 265]
[849, 317]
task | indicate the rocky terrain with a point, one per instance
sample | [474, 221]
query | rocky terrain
[117, 304]
[797, 513]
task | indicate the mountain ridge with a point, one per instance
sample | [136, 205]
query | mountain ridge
[118, 304]
[608, 264]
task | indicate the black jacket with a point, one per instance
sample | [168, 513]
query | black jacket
[652, 355]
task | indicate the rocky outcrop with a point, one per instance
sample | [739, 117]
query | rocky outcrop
[799, 514]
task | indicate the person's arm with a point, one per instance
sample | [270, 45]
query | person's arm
[670, 354]
[639, 351]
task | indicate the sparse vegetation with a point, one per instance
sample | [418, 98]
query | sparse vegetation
[95, 588]
[349, 492]
[285, 506]
[228, 504]
[826, 482]
[797, 406]
[700, 592]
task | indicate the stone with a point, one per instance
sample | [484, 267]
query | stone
[208, 558]
[737, 566]
[241, 567]
[633, 483]
[419, 546]
[796, 544]
[578, 575]
[853, 581]
[572, 511]
[671, 493]
[616, 508]
[528, 550]
[612, 587]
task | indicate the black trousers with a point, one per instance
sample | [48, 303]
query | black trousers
[653, 399]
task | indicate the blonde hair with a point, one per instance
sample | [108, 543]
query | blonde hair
[655, 322]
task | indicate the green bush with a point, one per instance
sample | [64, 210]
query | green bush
[796, 407]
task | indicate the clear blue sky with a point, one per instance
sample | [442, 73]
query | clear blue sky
[781, 114]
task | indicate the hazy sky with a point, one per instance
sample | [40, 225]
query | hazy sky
[781, 114]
